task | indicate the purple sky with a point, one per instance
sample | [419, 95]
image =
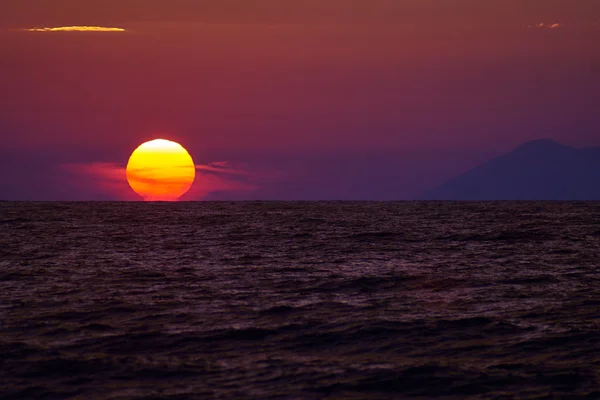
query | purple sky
[297, 99]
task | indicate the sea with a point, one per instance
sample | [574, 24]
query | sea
[299, 300]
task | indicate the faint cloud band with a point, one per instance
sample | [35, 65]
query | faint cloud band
[76, 28]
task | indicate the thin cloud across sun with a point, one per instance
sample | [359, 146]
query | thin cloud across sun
[77, 28]
[108, 180]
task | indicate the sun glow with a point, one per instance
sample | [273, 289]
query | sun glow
[160, 170]
[77, 29]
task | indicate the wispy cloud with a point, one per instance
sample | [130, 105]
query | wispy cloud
[543, 25]
[76, 28]
[109, 180]
[221, 167]
[102, 180]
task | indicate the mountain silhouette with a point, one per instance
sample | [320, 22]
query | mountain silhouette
[537, 170]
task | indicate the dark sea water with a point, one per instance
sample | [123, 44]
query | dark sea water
[299, 300]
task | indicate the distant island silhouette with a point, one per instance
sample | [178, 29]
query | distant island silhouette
[537, 170]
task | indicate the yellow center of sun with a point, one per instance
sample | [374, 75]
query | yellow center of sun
[160, 170]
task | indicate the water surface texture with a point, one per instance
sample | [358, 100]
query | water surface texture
[299, 300]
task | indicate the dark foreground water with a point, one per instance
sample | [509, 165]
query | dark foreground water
[299, 300]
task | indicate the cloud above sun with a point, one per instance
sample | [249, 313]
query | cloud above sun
[76, 28]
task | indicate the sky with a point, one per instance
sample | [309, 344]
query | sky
[288, 99]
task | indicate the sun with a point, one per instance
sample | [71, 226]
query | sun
[160, 170]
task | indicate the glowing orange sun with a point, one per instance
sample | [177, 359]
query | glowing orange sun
[160, 170]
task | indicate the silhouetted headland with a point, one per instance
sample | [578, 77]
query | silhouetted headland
[537, 170]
